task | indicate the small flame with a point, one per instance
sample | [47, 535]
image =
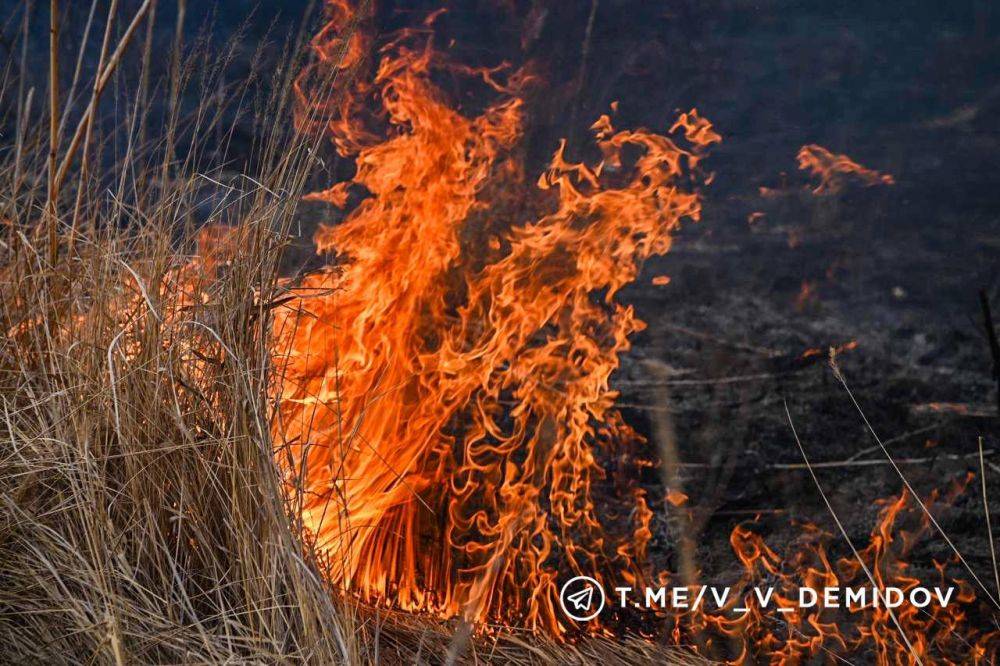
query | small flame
[834, 171]
[937, 633]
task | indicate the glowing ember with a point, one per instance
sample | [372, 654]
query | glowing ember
[807, 295]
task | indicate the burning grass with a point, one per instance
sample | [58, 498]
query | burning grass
[447, 399]
[144, 516]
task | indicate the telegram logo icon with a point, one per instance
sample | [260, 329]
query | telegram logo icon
[582, 598]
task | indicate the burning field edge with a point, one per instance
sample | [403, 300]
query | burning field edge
[400, 452]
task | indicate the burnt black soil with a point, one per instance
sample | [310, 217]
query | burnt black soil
[908, 91]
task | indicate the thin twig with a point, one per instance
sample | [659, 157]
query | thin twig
[740, 346]
[22, 129]
[991, 336]
[94, 97]
[894, 440]
[173, 99]
[102, 81]
[986, 509]
[832, 464]
[53, 189]
[843, 532]
[70, 96]
[961, 409]
[711, 381]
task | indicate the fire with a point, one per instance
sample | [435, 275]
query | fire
[445, 383]
[448, 378]
[834, 171]
[940, 634]
[446, 400]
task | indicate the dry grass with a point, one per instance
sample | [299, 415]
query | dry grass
[142, 516]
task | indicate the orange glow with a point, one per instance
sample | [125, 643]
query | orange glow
[676, 497]
[807, 295]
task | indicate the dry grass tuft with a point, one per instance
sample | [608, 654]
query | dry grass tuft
[142, 517]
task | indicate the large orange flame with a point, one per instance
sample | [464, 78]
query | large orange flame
[449, 394]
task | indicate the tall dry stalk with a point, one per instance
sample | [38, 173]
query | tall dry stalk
[53, 188]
